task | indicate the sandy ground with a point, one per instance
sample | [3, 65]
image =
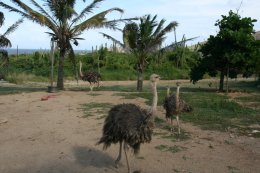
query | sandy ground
[50, 136]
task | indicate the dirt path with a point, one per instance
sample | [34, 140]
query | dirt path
[51, 136]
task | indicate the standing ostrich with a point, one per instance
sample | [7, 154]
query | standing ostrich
[130, 124]
[91, 76]
[174, 105]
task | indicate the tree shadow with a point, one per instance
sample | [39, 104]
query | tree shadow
[16, 90]
[86, 156]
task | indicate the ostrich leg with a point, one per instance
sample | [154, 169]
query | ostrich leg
[91, 87]
[98, 83]
[171, 125]
[178, 123]
[119, 155]
[125, 148]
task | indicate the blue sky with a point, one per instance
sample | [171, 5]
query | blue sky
[195, 18]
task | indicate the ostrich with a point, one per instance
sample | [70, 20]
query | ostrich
[130, 124]
[91, 76]
[174, 105]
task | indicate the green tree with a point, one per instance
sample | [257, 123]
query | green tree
[229, 52]
[143, 39]
[5, 42]
[65, 24]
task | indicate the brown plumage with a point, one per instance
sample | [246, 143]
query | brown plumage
[92, 77]
[130, 124]
[174, 106]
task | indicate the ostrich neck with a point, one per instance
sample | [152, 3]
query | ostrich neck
[155, 99]
[168, 92]
[177, 97]
[80, 72]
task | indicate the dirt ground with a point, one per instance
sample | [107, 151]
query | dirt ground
[39, 135]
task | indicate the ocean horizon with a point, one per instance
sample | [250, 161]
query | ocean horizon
[31, 51]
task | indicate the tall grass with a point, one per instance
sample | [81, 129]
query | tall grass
[21, 78]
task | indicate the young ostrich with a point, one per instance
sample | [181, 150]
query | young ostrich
[174, 105]
[130, 124]
[91, 76]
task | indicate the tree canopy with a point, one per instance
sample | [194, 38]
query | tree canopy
[142, 39]
[229, 52]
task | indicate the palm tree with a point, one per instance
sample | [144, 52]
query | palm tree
[143, 39]
[5, 42]
[65, 24]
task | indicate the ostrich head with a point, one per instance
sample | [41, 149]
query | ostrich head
[154, 78]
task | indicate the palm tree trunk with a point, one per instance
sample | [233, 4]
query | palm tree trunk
[60, 83]
[140, 77]
[140, 80]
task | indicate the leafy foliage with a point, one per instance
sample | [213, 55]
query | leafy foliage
[64, 23]
[5, 42]
[142, 39]
[230, 51]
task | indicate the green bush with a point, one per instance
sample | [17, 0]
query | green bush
[112, 66]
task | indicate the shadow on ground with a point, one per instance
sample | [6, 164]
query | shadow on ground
[84, 159]
[15, 90]
[91, 157]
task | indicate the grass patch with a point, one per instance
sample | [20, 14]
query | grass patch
[140, 157]
[211, 110]
[214, 111]
[176, 137]
[92, 109]
[232, 169]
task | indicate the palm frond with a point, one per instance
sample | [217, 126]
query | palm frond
[113, 39]
[97, 21]
[13, 27]
[159, 28]
[4, 42]
[174, 45]
[44, 12]
[12, 9]
[87, 10]
[30, 14]
[171, 26]
[2, 18]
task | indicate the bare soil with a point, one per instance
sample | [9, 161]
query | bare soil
[45, 133]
